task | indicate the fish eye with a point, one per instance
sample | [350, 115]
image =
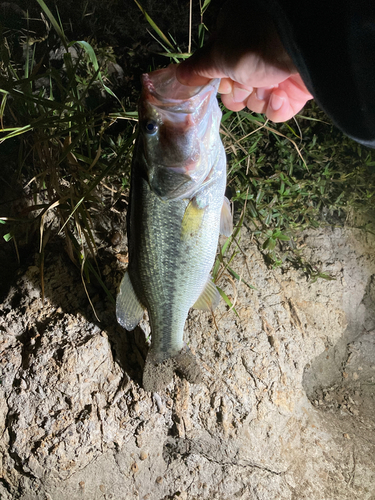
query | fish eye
[151, 127]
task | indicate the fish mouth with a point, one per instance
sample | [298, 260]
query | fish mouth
[171, 93]
[178, 156]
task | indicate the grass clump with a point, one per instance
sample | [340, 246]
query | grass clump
[54, 115]
[295, 176]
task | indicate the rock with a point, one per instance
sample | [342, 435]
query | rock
[75, 422]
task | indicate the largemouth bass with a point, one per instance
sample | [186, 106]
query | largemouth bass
[177, 208]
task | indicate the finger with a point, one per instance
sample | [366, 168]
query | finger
[295, 88]
[258, 100]
[241, 93]
[235, 100]
[283, 107]
[226, 86]
[279, 108]
[288, 99]
[187, 76]
[227, 100]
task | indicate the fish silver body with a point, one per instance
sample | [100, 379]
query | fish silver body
[177, 206]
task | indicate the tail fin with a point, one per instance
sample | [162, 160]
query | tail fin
[157, 376]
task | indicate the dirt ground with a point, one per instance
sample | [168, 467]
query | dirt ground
[286, 409]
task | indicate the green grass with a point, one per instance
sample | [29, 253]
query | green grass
[59, 125]
[295, 176]
[65, 148]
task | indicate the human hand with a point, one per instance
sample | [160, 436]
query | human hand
[278, 102]
[255, 70]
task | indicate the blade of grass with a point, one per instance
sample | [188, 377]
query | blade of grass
[190, 23]
[154, 26]
[227, 301]
[54, 23]
[94, 61]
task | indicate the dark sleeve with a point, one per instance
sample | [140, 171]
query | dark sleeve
[332, 44]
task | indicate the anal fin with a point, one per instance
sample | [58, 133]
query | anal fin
[129, 310]
[209, 298]
[226, 219]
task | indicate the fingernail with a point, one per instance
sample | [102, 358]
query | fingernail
[239, 95]
[260, 94]
[276, 102]
[225, 86]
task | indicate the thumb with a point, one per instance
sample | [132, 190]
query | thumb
[199, 68]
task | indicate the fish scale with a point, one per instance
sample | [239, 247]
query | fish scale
[176, 211]
[169, 274]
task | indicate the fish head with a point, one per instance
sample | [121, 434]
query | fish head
[178, 132]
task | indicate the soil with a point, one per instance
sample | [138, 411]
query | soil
[285, 409]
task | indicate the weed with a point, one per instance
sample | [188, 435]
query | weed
[65, 148]
[289, 187]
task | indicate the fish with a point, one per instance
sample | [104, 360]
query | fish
[177, 209]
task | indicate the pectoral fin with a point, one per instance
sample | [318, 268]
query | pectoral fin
[192, 220]
[129, 310]
[209, 298]
[226, 220]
